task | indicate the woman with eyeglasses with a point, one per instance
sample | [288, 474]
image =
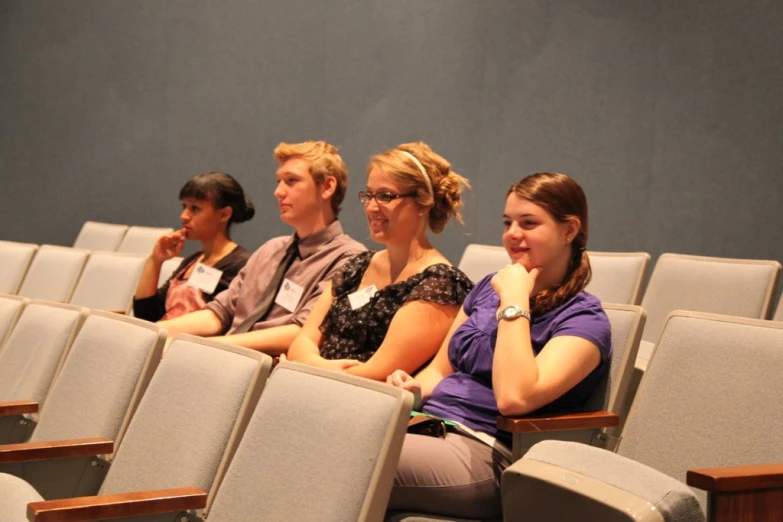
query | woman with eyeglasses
[528, 341]
[392, 308]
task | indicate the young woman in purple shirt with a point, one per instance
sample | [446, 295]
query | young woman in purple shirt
[528, 339]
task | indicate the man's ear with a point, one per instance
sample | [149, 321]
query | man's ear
[328, 187]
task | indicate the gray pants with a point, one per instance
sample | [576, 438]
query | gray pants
[457, 476]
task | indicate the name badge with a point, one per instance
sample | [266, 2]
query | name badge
[289, 295]
[205, 278]
[361, 297]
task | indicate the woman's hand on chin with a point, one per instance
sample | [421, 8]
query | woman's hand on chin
[514, 284]
[168, 246]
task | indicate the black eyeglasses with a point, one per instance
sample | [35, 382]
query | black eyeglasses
[382, 197]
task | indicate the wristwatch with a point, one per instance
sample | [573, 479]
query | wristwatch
[512, 312]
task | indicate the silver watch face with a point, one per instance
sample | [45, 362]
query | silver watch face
[510, 312]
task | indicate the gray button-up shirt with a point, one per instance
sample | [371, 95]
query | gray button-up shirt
[320, 255]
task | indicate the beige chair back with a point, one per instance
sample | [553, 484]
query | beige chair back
[321, 446]
[618, 276]
[10, 308]
[53, 273]
[31, 358]
[15, 259]
[108, 281]
[740, 287]
[100, 236]
[95, 394]
[479, 261]
[194, 411]
[140, 240]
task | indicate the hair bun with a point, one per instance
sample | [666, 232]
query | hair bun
[244, 214]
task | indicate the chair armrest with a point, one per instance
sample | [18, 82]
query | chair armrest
[59, 449]
[122, 505]
[17, 408]
[570, 421]
[741, 492]
[737, 478]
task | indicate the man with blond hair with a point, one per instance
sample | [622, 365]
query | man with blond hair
[270, 299]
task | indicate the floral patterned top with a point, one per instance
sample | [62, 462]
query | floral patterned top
[357, 334]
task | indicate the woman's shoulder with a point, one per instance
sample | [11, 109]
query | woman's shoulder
[581, 304]
[445, 270]
[350, 274]
[581, 315]
[234, 260]
[238, 255]
[241, 253]
[440, 283]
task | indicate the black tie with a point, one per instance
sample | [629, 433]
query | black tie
[266, 302]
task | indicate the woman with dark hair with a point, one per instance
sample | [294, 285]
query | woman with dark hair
[528, 340]
[211, 203]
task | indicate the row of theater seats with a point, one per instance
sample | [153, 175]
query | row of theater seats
[321, 446]
[100, 271]
[88, 407]
[111, 237]
[95, 279]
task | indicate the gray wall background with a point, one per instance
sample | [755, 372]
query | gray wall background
[668, 113]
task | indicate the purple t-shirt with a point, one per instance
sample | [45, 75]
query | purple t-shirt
[466, 395]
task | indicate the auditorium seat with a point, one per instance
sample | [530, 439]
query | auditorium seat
[741, 287]
[93, 396]
[140, 240]
[100, 236]
[11, 307]
[108, 281]
[708, 399]
[320, 445]
[35, 350]
[190, 419]
[53, 273]
[480, 260]
[618, 276]
[15, 259]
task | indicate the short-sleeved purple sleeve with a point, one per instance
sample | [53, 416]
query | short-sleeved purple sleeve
[582, 316]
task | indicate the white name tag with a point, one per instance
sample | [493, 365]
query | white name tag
[361, 297]
[205, 278]
[289, 295]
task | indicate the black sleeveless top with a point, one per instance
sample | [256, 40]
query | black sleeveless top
[357, 334]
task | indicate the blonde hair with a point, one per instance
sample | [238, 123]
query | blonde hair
[444, 200]
[324, 162]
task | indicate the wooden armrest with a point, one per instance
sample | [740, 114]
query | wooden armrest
[59, 449]
[137, 503]
[570, 421]
[737, 478]
[17, 408]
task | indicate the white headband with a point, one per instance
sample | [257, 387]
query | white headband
[421, 168]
